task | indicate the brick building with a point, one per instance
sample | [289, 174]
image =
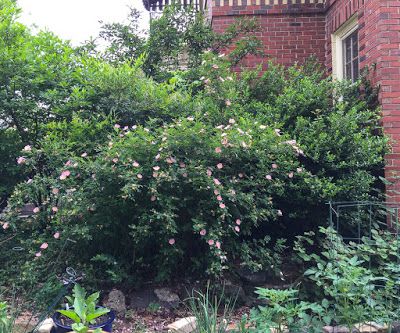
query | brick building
[343, 35]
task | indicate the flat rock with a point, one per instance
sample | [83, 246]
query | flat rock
[335, 329]
[116, 301]
[141, 299]
[167, 298]
[184, 325]
[254, 278]
[366, 328]
[46, 326]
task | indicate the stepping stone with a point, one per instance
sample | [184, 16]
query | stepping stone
[184, 325]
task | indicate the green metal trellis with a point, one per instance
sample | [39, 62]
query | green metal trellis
[355, 222]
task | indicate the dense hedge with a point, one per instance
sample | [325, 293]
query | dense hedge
[219, 183]
[207, 171]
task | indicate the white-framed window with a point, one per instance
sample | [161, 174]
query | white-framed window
[345, 62]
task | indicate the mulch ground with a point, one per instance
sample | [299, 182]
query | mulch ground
[157, 321]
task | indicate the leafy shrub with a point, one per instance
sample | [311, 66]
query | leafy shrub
[286, 313]
[211, 178]
[207, 169]
[359, 279]
[164, 195]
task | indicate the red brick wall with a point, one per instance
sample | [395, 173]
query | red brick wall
[379, 45]
[290, 32]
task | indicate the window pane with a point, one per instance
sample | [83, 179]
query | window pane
[355, 70]
[347, 71]
[355, 45]
[348, 50]
[350, 57]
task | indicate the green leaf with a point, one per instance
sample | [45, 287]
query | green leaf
[79, 308]
[71, 315]
[79, 292]
[93, 298]
[80, 328]
[98, 313]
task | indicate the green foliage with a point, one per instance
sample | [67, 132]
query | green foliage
[84, 311]
[359, 279]
[205, 168]
[5, 321]
[176, 41]
[153, 307]
[285, 312]
[10, 173]
[256, 254]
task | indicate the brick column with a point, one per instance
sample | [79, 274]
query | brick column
[381, 48]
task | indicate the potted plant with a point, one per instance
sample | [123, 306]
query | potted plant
[84, 315]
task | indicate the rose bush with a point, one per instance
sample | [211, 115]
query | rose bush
[187, 193]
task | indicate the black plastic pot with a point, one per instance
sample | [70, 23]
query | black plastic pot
[106, 326]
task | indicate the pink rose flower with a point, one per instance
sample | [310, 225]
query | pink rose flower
[153, 198]
[38, 254]
[139, 175]
[209, 172]
[210, 242]
[218, 244]
[237, 229]
[222, 205]
[27, 148]
[6, 225]
[269, 177]
[21, 160]
[135, 164]
[203, 232]
[290, 174]
[54, 209]
[156, 168]
[117, 126]
[65, 174]
[216, 181]
[216, 192]
[218, 150]
[220, 165]
[44, 246]
[228, 102]
[56, 235]
[182, 165]
[171, 241]
[238, 221]
[219, 198]
[299, 170]
[274, 166]
[232, 121]
[55, 191]
[115, 160]
[36, 210]
[84, 154]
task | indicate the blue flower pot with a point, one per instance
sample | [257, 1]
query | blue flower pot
[106, 326]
